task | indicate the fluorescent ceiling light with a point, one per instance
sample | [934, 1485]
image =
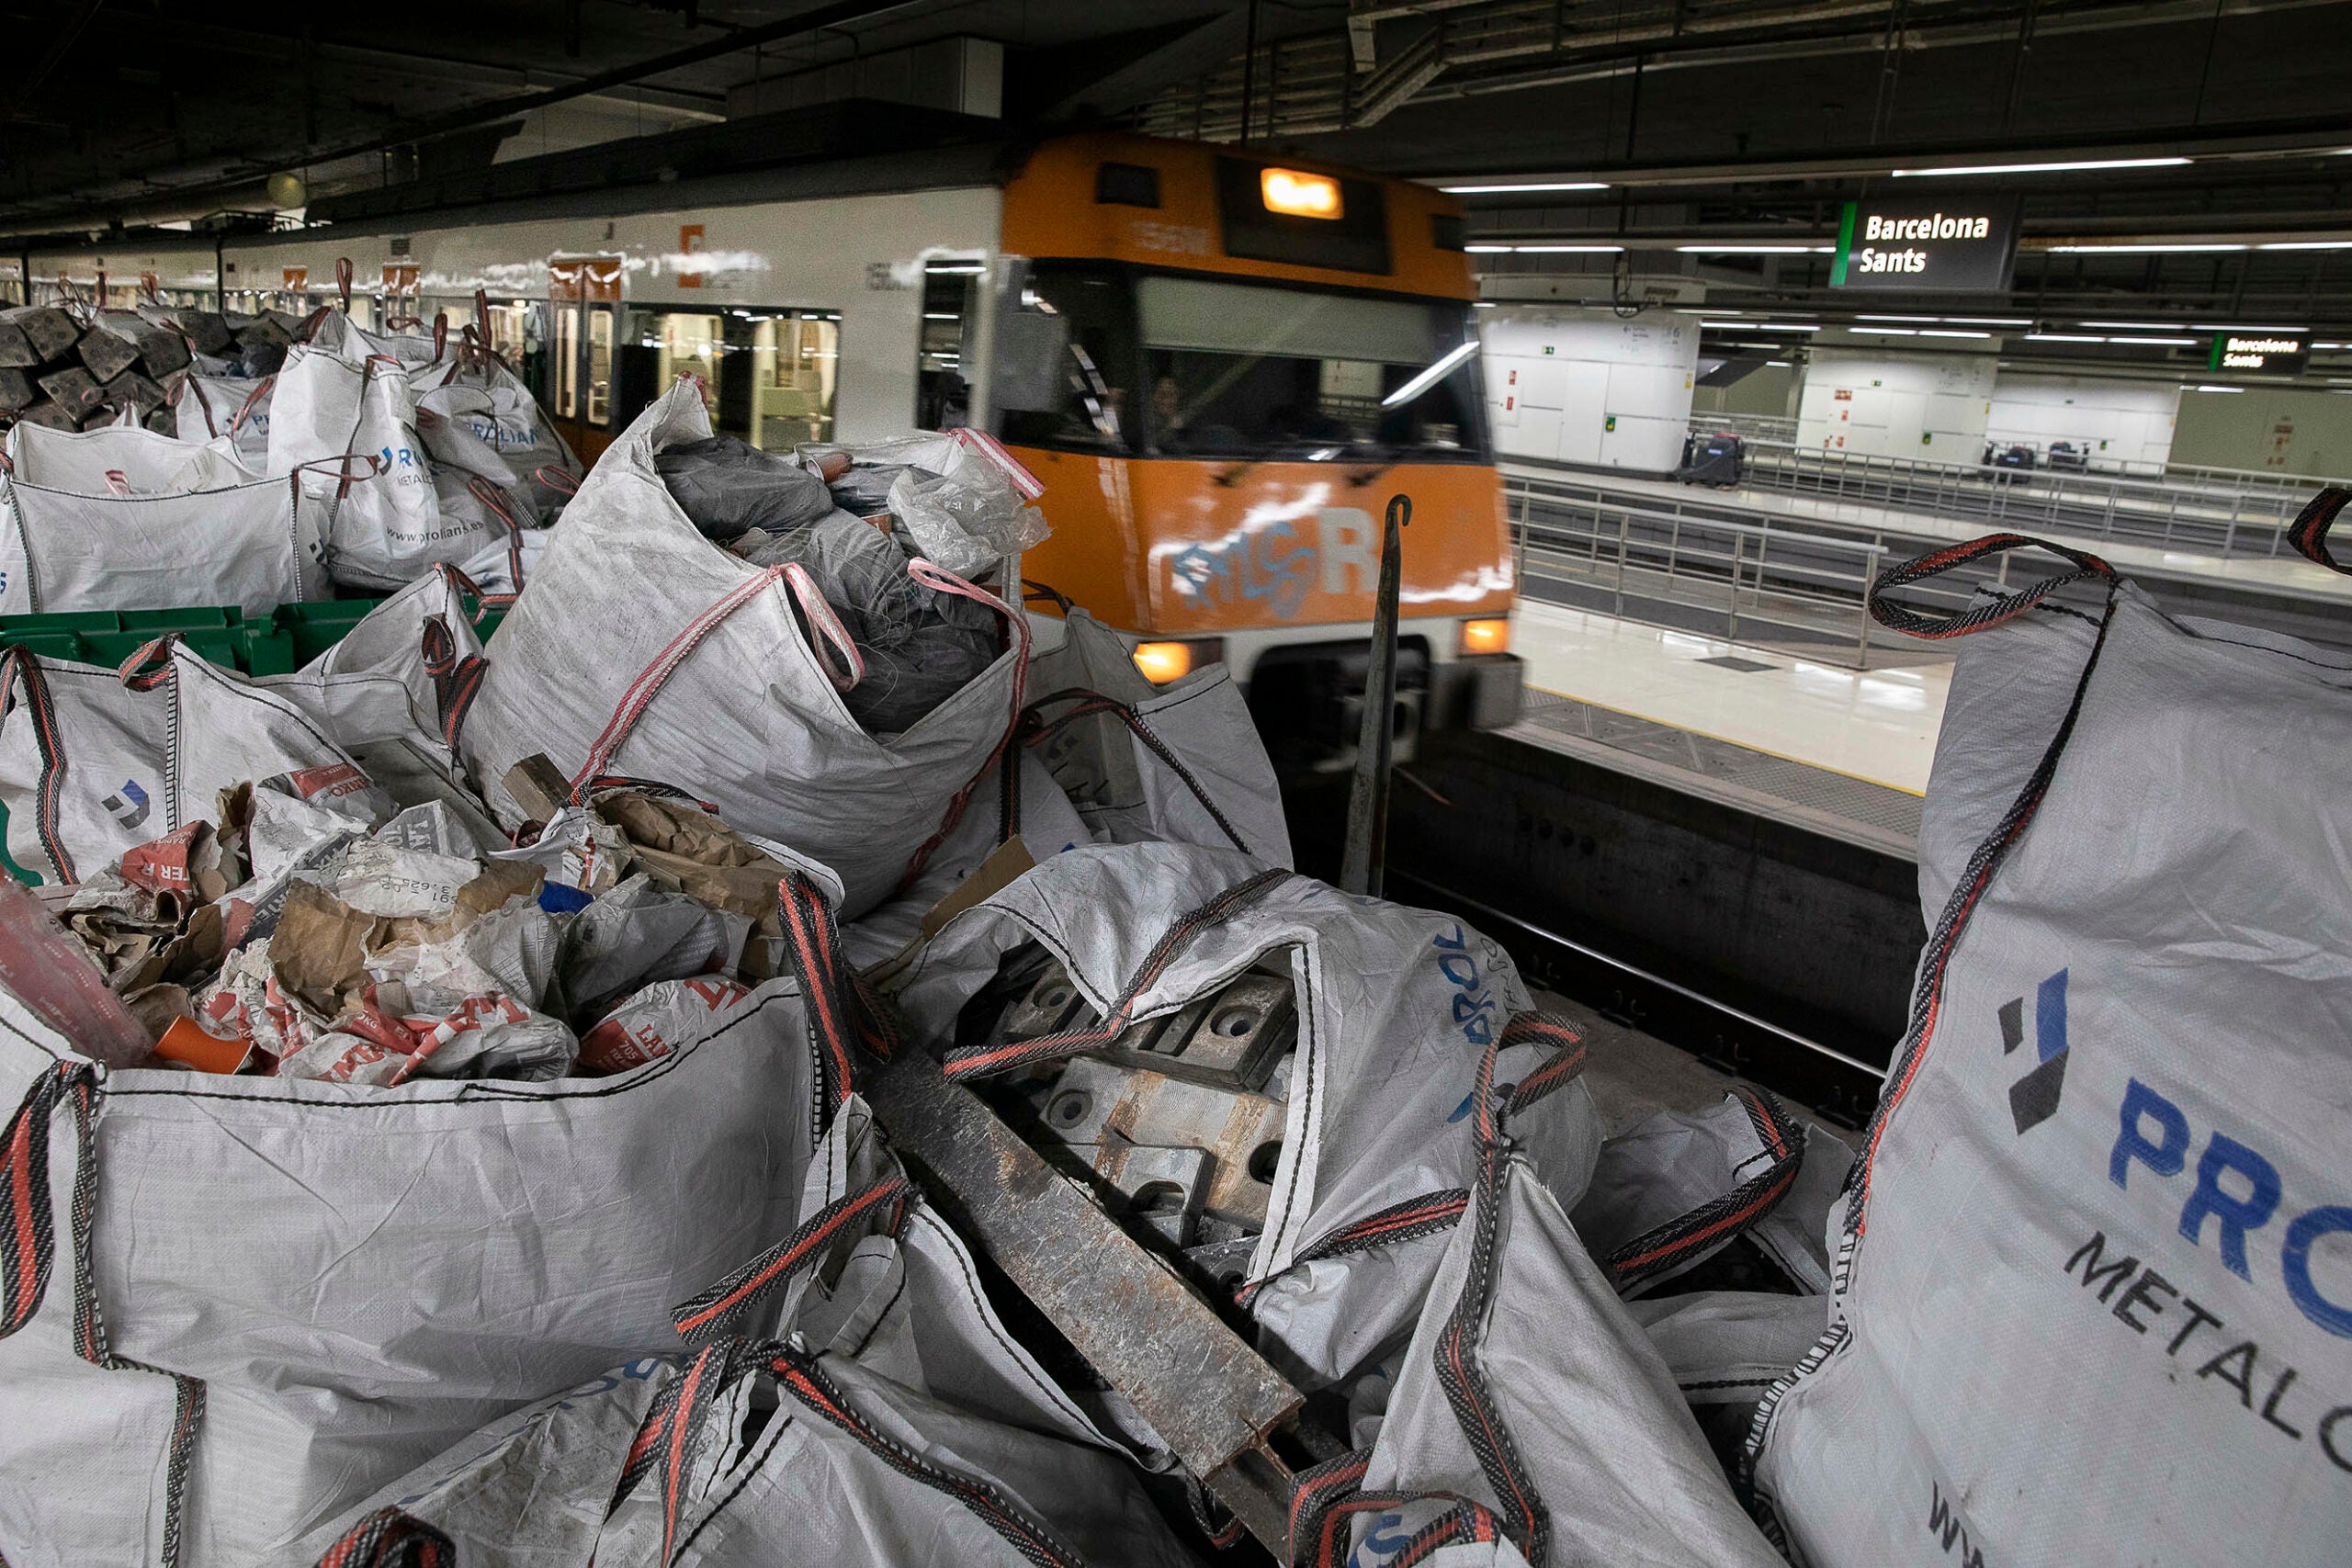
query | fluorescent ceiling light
[2155, 342]
[2306, 245]
[941, 316]
[1884, 332]
[2209, 327]
[1946, 331]
[2331, 345]
[1487, 250]
[2210, 387]
[2136, 326]
[1989, 321]
[1915, 320]
[2140, 250]
[2043, 168]
[1790, 326]
[1733, 326]
[1779, 364]
[1511, 189]
[1737, 250]
[2063, 337]
[1567, 250]
[1429, 378]
[971, 269]
[1482, 304]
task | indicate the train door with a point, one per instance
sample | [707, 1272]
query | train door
[584, 298]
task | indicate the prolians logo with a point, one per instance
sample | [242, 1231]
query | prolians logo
[129, 807]
[2033, 1099]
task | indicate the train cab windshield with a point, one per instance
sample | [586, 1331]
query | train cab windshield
[1106, 359]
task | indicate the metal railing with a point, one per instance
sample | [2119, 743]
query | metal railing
[2226, 520]
[1816, 586]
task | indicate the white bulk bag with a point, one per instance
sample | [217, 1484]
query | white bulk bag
[1532, 1421]
[388, 532]
[2094, 1288]
[1180, 763]
[489, 401]
[93, 762]
[346, 1280]
[885, 1338]
[1395, 1008]
[121, 518]
[206, 408]
[641, 648]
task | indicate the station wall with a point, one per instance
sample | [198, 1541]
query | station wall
[1768, 391]
[1589, 386]
[2287, 429]
[2113, 420]
[1927, 406]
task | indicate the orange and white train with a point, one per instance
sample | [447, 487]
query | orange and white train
[1221, 364]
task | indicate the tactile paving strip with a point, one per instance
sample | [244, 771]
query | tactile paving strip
[1885, 813]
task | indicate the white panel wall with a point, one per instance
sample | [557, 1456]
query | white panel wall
[1929, 406]
[1558, 379]
[2113, 420]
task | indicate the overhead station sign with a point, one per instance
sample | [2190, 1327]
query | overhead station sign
[1957, 245]
[2259, 351]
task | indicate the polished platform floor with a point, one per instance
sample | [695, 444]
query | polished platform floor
[1845, 751]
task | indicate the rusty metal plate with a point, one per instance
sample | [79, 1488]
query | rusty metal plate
[1096, 1102]
[1210, 1396]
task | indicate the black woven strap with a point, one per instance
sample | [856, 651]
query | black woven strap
[21, 673]
[1938, 623]
[1088, 704]
[720, 1310]
[1713, 1223]
[982, 1061]
[2308, 532]
[799, 1374]
[391, 1538]
[845, 1015]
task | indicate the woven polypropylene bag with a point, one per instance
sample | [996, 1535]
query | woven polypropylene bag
[2095, 1290]
[640, 649]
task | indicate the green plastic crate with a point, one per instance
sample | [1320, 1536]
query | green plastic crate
[217, 632]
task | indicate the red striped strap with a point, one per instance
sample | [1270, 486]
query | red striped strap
[343, 280]
[720, 1310]
[2308, 532]
[389, 1538]
[845, 1016]
[656, 674]
[562, 481]
[1721, 1219]
[20, 671]
[28, 1238]
[1937, 624]
[1017, 624]
[150, 664]
[987, 1059]
[827, 630]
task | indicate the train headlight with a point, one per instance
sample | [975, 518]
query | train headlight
[1162, 662]
[1298, 194]
[1486, 636]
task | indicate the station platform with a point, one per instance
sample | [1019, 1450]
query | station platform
[2283, 576]
[1753, 726]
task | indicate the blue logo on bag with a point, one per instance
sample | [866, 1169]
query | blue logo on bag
[2033, 1099]
[129, 807]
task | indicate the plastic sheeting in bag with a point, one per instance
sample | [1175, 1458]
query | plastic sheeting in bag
[641, 649]
[727, 488]
[122, 518]
[2095, 1284]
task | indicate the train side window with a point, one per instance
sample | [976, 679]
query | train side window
[567, 361]
[1065, 358]
[950, 294]
[600, 363]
